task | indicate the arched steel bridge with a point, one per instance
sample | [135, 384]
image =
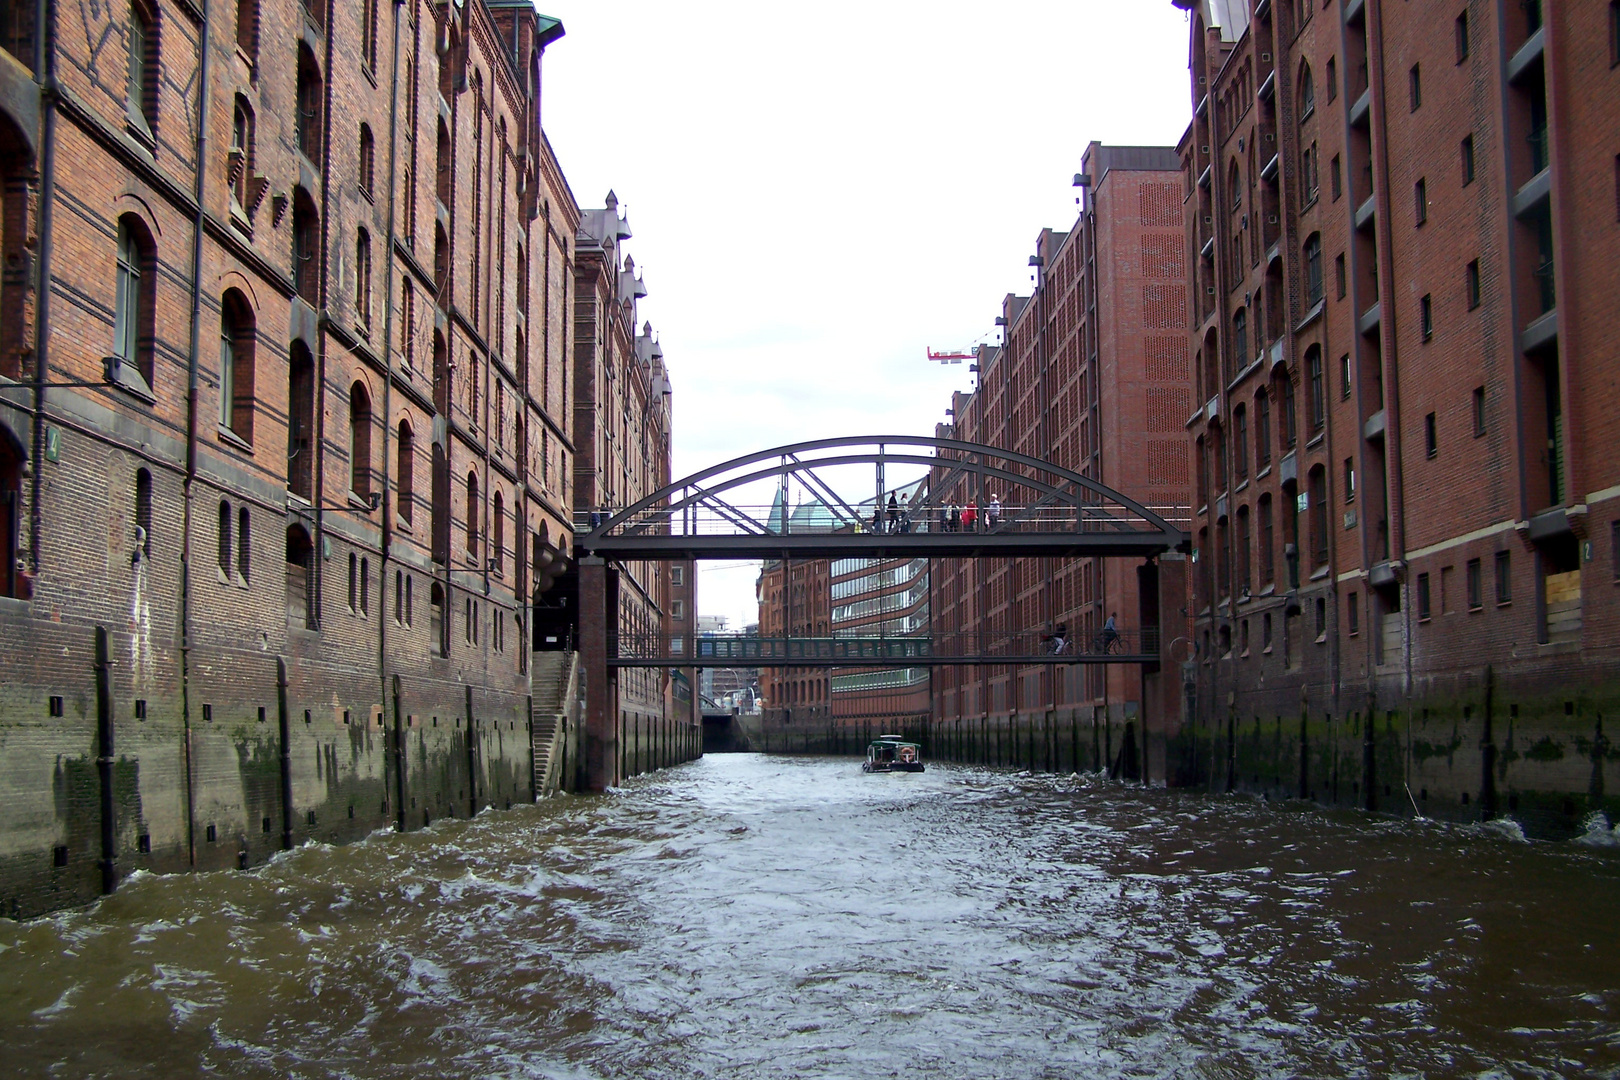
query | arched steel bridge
[1045, 510]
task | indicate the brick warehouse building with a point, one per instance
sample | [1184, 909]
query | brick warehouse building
[1093, 376]
[623, 416]
[1401, 220]
[332, 472]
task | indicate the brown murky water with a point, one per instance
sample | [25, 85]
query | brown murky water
[748, 916]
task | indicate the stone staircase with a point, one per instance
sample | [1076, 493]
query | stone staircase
[555, 686]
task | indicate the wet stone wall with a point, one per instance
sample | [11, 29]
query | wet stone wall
[257, 753]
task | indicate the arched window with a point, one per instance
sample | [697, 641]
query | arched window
[441, 375]
[300, 572]
[306, 233]
[225, 547]
[362, 278]
[359, 441]
[308, 104]
[405, 466]
[354, 583]
[133, 329]
[472, 516]
[368, 158]
[142, 97]
[244, 546]
[498, 534]
[407, 321]
[247, 29]
[442, 165]
[143, 514]
[240, 161]
[236, 365]
[441, 261]
[300, 420]
[1307, 93]
[1234, 184]
[1313, 269]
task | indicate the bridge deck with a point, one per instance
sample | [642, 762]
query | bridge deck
[655, 650]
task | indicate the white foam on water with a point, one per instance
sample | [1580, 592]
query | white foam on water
[1598, 832]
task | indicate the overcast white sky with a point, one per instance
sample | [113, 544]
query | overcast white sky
[821, 192]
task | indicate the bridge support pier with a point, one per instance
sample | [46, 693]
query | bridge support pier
[596, 618]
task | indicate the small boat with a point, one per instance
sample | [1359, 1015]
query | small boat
[891, 753]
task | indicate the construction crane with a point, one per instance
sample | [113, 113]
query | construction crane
[951, 357]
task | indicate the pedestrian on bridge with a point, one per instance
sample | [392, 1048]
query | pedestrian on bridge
[953, 518]
[894, 514]
[970, 515]
[1110, 634]
[992, 513]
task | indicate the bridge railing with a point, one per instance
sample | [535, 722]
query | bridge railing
[740, 650]
[820, 520]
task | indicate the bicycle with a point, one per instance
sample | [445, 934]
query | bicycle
[1103, 643]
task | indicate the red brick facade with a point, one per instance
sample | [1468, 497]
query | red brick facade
[1403, 314]
[1094, 378]
[337, 465]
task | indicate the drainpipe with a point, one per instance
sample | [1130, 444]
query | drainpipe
[45, 77]
[387, 429]
[317, 466]
[192, 378]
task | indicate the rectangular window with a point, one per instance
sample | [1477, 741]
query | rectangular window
[1472, 275]
[1338, 275]
[1468, 160]
[1414, 83]
[1423, 597]
[1462, 37]
[1431, 436]
[1344, 376]
[1504, 577]
[1426, 312]
[1353, 610]
[1321, 619]
[1333, 170]
[1349, 479]
[1476, 585]
[677, 576]
[677, 609]
[1479, 411]
[1332, 77]
[1420, 194]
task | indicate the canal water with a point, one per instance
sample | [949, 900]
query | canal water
[757, 916]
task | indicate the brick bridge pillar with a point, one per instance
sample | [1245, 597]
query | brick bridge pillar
[596, 618]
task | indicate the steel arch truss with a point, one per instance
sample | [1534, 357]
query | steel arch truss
[1045, 508]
